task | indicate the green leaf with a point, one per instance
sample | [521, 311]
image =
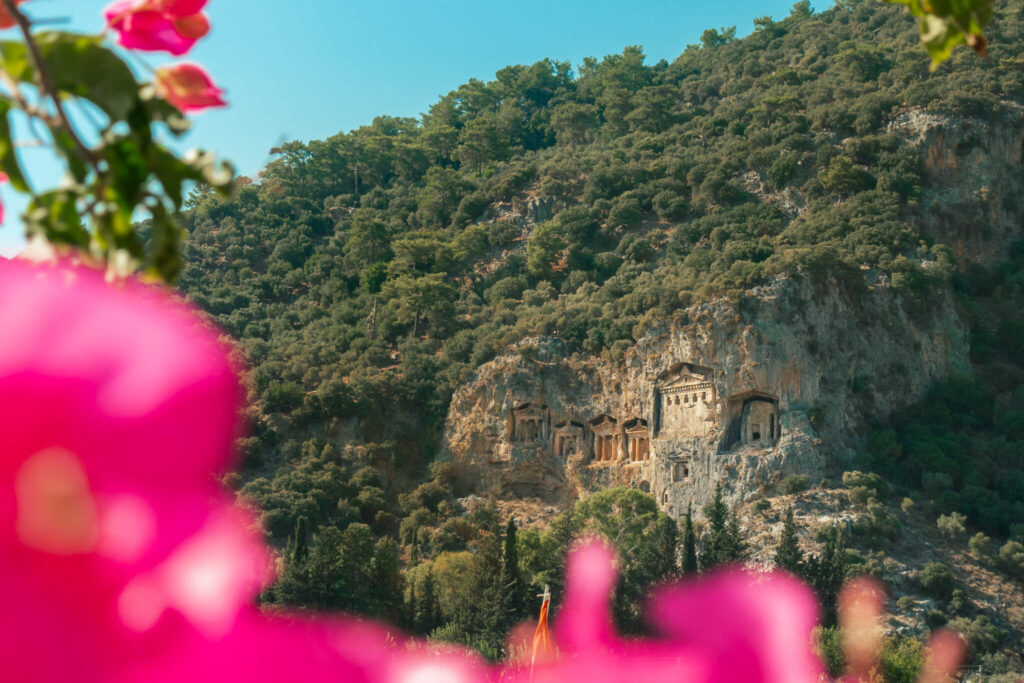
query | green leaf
[82, 67]
[8, 157]
[944, 24]
[14, 60]
[165, 245]
[162, 111]
[66, 147]
[127, 169]
[55, 216]
[172, 173]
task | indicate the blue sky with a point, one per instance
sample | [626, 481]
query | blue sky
[306, 69]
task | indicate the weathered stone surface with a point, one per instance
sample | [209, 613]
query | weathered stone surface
[743, 394]
[974, 182]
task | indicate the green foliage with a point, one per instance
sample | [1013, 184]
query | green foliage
[984, 636]
[126, 168]
[935, 618]
[827, 573]
[1011, 559]
[788, 555]
[962, 444]
[878, 525]
[901, 659]
[830, 646]
[689, 543]
[724, 542]
[794, 483]
[951, 526]
[980, 546]
[936, 579]
[367, 275]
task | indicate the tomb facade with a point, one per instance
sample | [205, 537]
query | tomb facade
[528, 422]
[638, 442]
[684, 402]
[606, 438]
[753, 420]
[568, 439]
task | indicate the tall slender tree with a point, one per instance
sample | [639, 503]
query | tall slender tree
[725, 543]
[828, 572]
[788, 556]
[689, 543]
[512, 579]
[664, 547]
[301, 550]
[428, 616]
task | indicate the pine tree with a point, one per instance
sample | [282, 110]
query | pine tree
[301, 550]
[689, 543]
[788, 556]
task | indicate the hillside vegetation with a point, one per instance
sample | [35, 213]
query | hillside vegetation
[365, 276]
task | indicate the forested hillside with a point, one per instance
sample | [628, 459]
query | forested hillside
[365, 277]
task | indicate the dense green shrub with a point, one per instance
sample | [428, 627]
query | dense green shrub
[936, 579]
[795, 483]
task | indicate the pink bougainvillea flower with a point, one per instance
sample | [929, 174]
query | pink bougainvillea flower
[158, 25]
[732, 626]
[188, 87]
[6, 20]
[117, 405]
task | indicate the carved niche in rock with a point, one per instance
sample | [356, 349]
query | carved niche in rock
[638, 441]
[684, 402]
[606, 438]
[568, 439]
[680, 470]
[528, 422]
[753, 419]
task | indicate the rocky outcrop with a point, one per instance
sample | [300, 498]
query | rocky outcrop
[744, 394]
[974, 180]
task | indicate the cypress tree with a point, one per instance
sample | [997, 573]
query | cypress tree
[665, 546]
[689, 543]
[828, 572]
[735, 544]
[788, 556]
[429, 616]
[412, 609]
[301, 550]
[512, 580]
[716, 549]
[725, 538]
[563, 530]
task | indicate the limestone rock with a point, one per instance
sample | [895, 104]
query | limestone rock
[742, 394]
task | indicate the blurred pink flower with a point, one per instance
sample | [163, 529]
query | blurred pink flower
[158, 25]
[731, 626]
[188, 87]
[117, 406]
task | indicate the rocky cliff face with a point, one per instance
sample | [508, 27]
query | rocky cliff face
[743, 394]
[972, 196]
